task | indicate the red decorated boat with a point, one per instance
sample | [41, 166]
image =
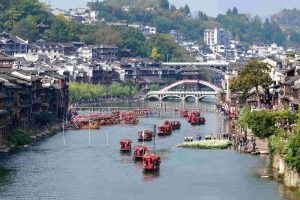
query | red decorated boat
[197, 120]
[125, 145]
[145, 135]
[151, 162]
[130, 118]
[174, 124]
[86, 124]
[184, 113]
[164, 130]
[139, 152]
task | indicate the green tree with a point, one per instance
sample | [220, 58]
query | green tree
[26, 29]
[254, 74]
[164, 4]
[262, 123]
[60, 30]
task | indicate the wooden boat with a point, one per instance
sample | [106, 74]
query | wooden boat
[151, 162]
[174, 124]
[197, 121]
[139, 152]
[145, 135]
[164, 130]
[130, 118]
[125, 145]
[184, 113]
[86, 124]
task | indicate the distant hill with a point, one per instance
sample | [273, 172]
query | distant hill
[288, 19]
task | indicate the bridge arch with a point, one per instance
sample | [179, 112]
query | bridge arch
[170, 95]
[215, 88]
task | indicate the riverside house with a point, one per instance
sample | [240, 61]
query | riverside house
[25, 95]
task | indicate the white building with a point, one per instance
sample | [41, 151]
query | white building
[94, 14]
[148, 30]
[215, 38]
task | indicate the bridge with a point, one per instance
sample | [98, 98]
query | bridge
[183, 95]
[221, 66]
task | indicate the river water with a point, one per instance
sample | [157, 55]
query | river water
[83, 170]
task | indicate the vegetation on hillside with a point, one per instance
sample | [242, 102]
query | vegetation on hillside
[21, 17]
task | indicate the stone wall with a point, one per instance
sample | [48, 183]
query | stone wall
[285, 174]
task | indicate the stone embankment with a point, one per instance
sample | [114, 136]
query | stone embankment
[285, 174]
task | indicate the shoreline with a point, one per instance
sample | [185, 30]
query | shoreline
[43, 133]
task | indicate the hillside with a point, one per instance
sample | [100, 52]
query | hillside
[288, 19]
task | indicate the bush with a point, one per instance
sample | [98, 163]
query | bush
[292, 156]
[277, 144]
[19, 137]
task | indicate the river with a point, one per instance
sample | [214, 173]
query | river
[80, 170]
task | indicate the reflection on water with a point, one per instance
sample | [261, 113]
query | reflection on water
[5, 176]
[150, 176]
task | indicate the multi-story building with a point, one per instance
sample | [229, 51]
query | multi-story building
[6, 62]
[52, 49]
[12, 45]
[216, 37]
[101, 52]
[178, 36]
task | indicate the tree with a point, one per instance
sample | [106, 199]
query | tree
[185, 9]
[262, 123]
[60, 30]
[254, 74]
[105, 36]
[164, 4]
[202, 16]
[154, 54]
[26, 29]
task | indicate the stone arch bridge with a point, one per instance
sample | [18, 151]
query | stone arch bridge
[183, 95]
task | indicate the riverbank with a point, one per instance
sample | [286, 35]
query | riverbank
[35, 134]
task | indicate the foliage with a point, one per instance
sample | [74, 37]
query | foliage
[262, 123]
[164, 16]
[254, 74]
[59, 31]
[154, 54]
[168, 49]
[26, 29]
[132, 40]
[44, 118]
[288, 18]
[153, 87]
[19, 137]
[250, 30]
[277, 143]
[164, 4]
[105, 36]
[244, 116]
[85, 91]
[207, 144]
[292, 156]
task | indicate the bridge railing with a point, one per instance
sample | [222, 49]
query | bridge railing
[182, 92]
